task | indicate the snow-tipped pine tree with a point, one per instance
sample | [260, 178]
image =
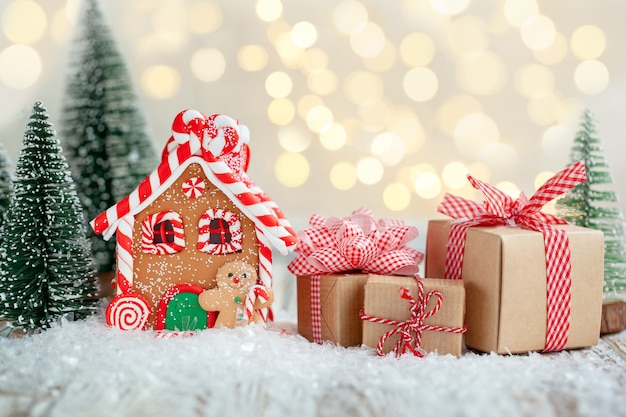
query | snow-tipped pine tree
[103, 131]
[594, 204]
[47, 271]
[5, 181]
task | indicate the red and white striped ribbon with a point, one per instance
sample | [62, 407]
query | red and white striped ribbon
[500, 209]
[316, 309]
[410, 331]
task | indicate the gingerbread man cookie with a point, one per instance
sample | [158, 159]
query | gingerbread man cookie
[237, 296]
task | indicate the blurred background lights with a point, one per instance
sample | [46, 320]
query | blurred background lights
[319, 117]
[454, 175]
[538, 33]
[591, 77]
[369, 170]
[420, 84]
[290, 53]
[281, 111]
[467, 34]
[252, 57]
[20, 66]
[306, 103]
[553, 54]
[294, 140]
[349, 14]
[323, 82]
[396, 196]
[208, 64]
[362, 86]
[367, 39]
[588, 42]
[475, 133]
[427, 185]
[449, 7]
[481, 73]
[333, 136]
[541, 179]
[384, 60]
[160, 81]
[24, 21]
[510, 189]
[388, 148]
[314, 59]
[343, 176]
[543, 109]
[518, 13]
[556, 138]
[533, 79]
[205, 16]
[304, 34]
[292, 169]
[453, 109]
[269, 10]
[278, 84]
[417, 49]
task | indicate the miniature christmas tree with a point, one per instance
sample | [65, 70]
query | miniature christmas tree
[593, 204]
[104, 134]
[47, 271]
[5, 181]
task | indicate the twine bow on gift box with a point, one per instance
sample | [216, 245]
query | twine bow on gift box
[410, 331]
[500, 209]
[355, 243]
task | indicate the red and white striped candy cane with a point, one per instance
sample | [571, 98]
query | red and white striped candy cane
[257, 292]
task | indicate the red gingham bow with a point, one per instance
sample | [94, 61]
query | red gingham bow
[359, 242]
[410, 331]
[500, 209]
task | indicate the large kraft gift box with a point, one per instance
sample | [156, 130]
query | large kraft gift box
[341, 298]
[330, 292]
[504, 272]
[382, 300]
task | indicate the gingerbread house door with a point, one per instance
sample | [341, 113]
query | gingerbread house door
[179, 310]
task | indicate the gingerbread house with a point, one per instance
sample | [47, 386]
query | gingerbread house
[195, 213]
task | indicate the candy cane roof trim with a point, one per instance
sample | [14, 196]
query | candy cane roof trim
[195, 140]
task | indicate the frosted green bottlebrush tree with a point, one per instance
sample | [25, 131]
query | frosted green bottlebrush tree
[103, 131]
[5, 181]
[594, 204]
[47, 271]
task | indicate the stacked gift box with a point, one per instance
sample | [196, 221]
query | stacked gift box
[500, 276]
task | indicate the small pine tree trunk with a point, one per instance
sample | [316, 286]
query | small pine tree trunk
[613, 317]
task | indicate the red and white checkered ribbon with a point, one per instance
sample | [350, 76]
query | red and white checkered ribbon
[500, 209]
[355, 243]
[410, 331]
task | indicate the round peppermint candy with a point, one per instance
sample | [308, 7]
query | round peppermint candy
[128, 312]
[193, 187]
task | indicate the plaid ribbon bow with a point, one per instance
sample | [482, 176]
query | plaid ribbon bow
[410, 331]
[500, 209]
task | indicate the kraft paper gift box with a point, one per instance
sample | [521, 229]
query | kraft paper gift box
[382, 300]
[504, 272]
[341, 298]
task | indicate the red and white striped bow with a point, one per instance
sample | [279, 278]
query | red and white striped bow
[500, 209]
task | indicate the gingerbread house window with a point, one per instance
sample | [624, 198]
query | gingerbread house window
[219, 232]
[162, 233]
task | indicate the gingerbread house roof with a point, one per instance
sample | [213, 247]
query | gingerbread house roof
[219, 144]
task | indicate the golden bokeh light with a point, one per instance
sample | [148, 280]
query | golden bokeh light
[292, 169]
[252, 57]
[533, 80]
[588, 42]
[591, 77]
[539, 33]
[417, 49]
[304, 34]
[20, 66]
[480, 170]
[362, 86]
[276, 29]
[453, 109]
[553, 54]
[314, 59]
[269, 10]
[369, 170]
[333, 136]
[60, 27]
[169, 20]
[373, 115]
[160, 81]
[541, 178]
[343, 175]
[388, 148]
[323, 82]
[519, 13]
[481, 73]
[403, 122]
[208, 64]
[349, 14]
[420, 84]
[281, 111]
[501, 156]
[475, 133]
[555, 139]
[204, 16]
[449, 7]
[396, 196]
[543, 109]
[427, 185]
[306, 103]
[24, 21]
[383, 61]
[290, 54]
[278, 84]
[467, 35]
[367, 39]
[454, 175]
[508, 188]
[319, 117]
[292, 139]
